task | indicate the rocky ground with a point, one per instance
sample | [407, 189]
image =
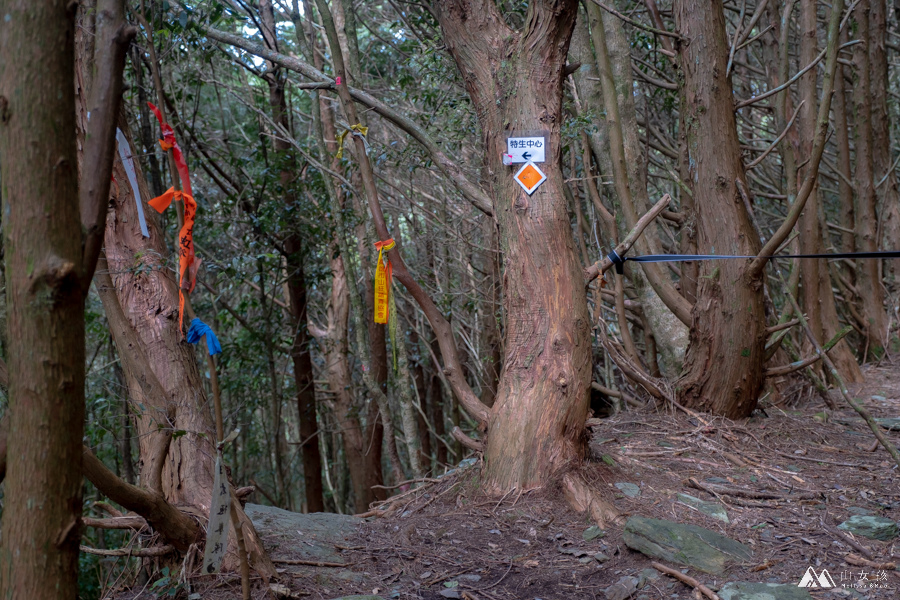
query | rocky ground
[747, 509]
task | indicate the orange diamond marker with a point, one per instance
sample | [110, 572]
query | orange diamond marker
[530, 178]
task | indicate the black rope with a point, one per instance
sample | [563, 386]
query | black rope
[619, 261]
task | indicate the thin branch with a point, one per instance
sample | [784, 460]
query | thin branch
[777, 141]
[637, 24]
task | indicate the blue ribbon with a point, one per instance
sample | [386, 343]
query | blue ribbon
[197, 330]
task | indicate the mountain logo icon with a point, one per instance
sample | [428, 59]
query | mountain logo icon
[812, 580]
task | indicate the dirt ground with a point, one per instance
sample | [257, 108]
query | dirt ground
[816, 470]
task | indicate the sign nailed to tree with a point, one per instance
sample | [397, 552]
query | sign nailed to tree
[526, 149]
[530, 178]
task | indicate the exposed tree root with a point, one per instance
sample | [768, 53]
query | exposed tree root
[583, 498]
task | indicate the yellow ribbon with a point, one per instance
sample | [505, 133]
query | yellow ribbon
[342, 135]
[383, 276]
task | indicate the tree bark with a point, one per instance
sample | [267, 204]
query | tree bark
[629, 170]
[888, 192]
[357, 439]
[148, 296]
[724, 361]
[45, 323]
[296, 283]
[818, 297]
[514, 79]
[870, 103]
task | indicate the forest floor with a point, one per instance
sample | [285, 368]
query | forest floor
[799, 475]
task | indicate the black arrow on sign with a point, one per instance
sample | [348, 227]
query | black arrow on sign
[526, 155]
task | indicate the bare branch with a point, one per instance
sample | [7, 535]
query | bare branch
[471, 191]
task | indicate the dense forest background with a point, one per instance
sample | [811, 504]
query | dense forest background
[328, 403]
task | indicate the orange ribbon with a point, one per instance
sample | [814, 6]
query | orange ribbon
[187, 261]
[383, 276]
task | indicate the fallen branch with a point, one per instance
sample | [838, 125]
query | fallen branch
[617, 394]
[845, 538]
[714, 488]
[859, 561]
[139, 552]
[408, 481]
[685, 579]
[308, 563]
[780, 326]
[802, 364]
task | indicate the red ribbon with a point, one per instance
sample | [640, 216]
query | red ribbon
[187, 260]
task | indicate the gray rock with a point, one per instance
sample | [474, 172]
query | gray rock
[600, 557]
[746, 590]
[647, 575]
[629, 489]
[687, 545]
[622, 589]
[307, 537]
[857, 510]
[592, 533]
[359, 598]
[470, 577]
[712, 509]
[889, 424]
[451, 593]
[872, 527]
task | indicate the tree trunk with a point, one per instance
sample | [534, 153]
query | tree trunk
[296, 282]
[870, 103]
[888, 193]
[45, 323]
[724, 361]
[148, 295]
[357, 439]
[629, 169]
[818, 297]
[514, 79]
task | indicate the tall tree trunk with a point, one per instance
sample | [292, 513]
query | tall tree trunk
[724, 361]
[888, 192]
[45, 322]
[296, 282]
[873, 143]
[630, 173]
[842, 138]
[357, 439]
[818, 297]
[514, 79]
